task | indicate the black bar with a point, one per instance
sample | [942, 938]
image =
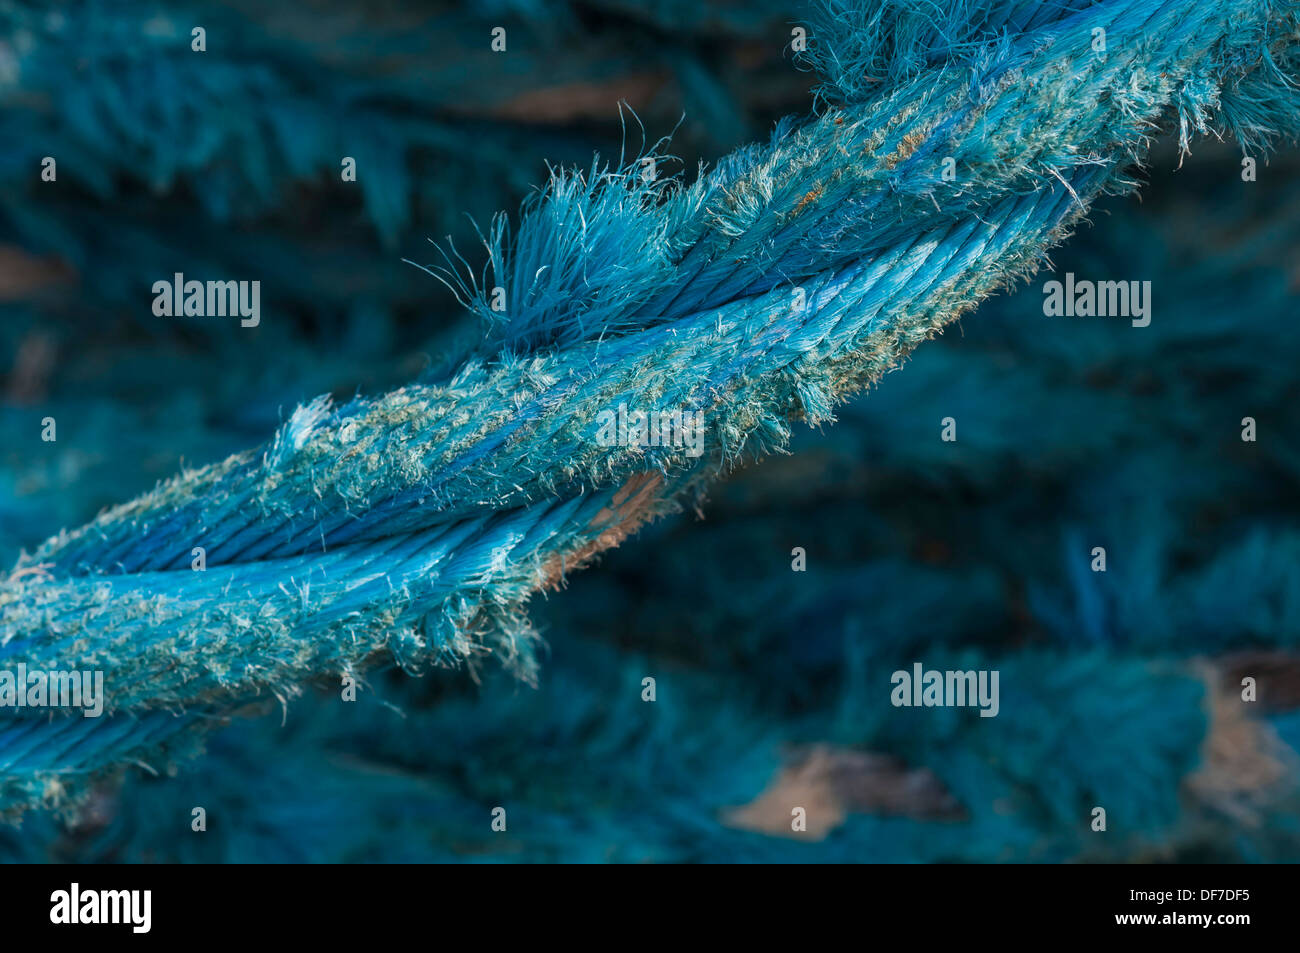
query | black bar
[243, 903]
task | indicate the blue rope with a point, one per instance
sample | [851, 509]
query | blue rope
[416, 525]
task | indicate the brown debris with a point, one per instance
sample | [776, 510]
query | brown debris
[22, 275]
[1276, 674]
[812, 196]
[831, 782]
[909, 144]
[1244, 763]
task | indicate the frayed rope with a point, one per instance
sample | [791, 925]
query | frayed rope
[414, 526]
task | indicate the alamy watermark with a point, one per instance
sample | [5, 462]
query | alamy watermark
[131, 908]
[52, 689]
[951, 689]
[655, 428]
[1103, 299]
[213, 299]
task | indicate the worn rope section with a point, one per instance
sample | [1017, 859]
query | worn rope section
[414, 526]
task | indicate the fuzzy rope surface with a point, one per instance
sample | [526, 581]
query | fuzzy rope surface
[414, 526]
